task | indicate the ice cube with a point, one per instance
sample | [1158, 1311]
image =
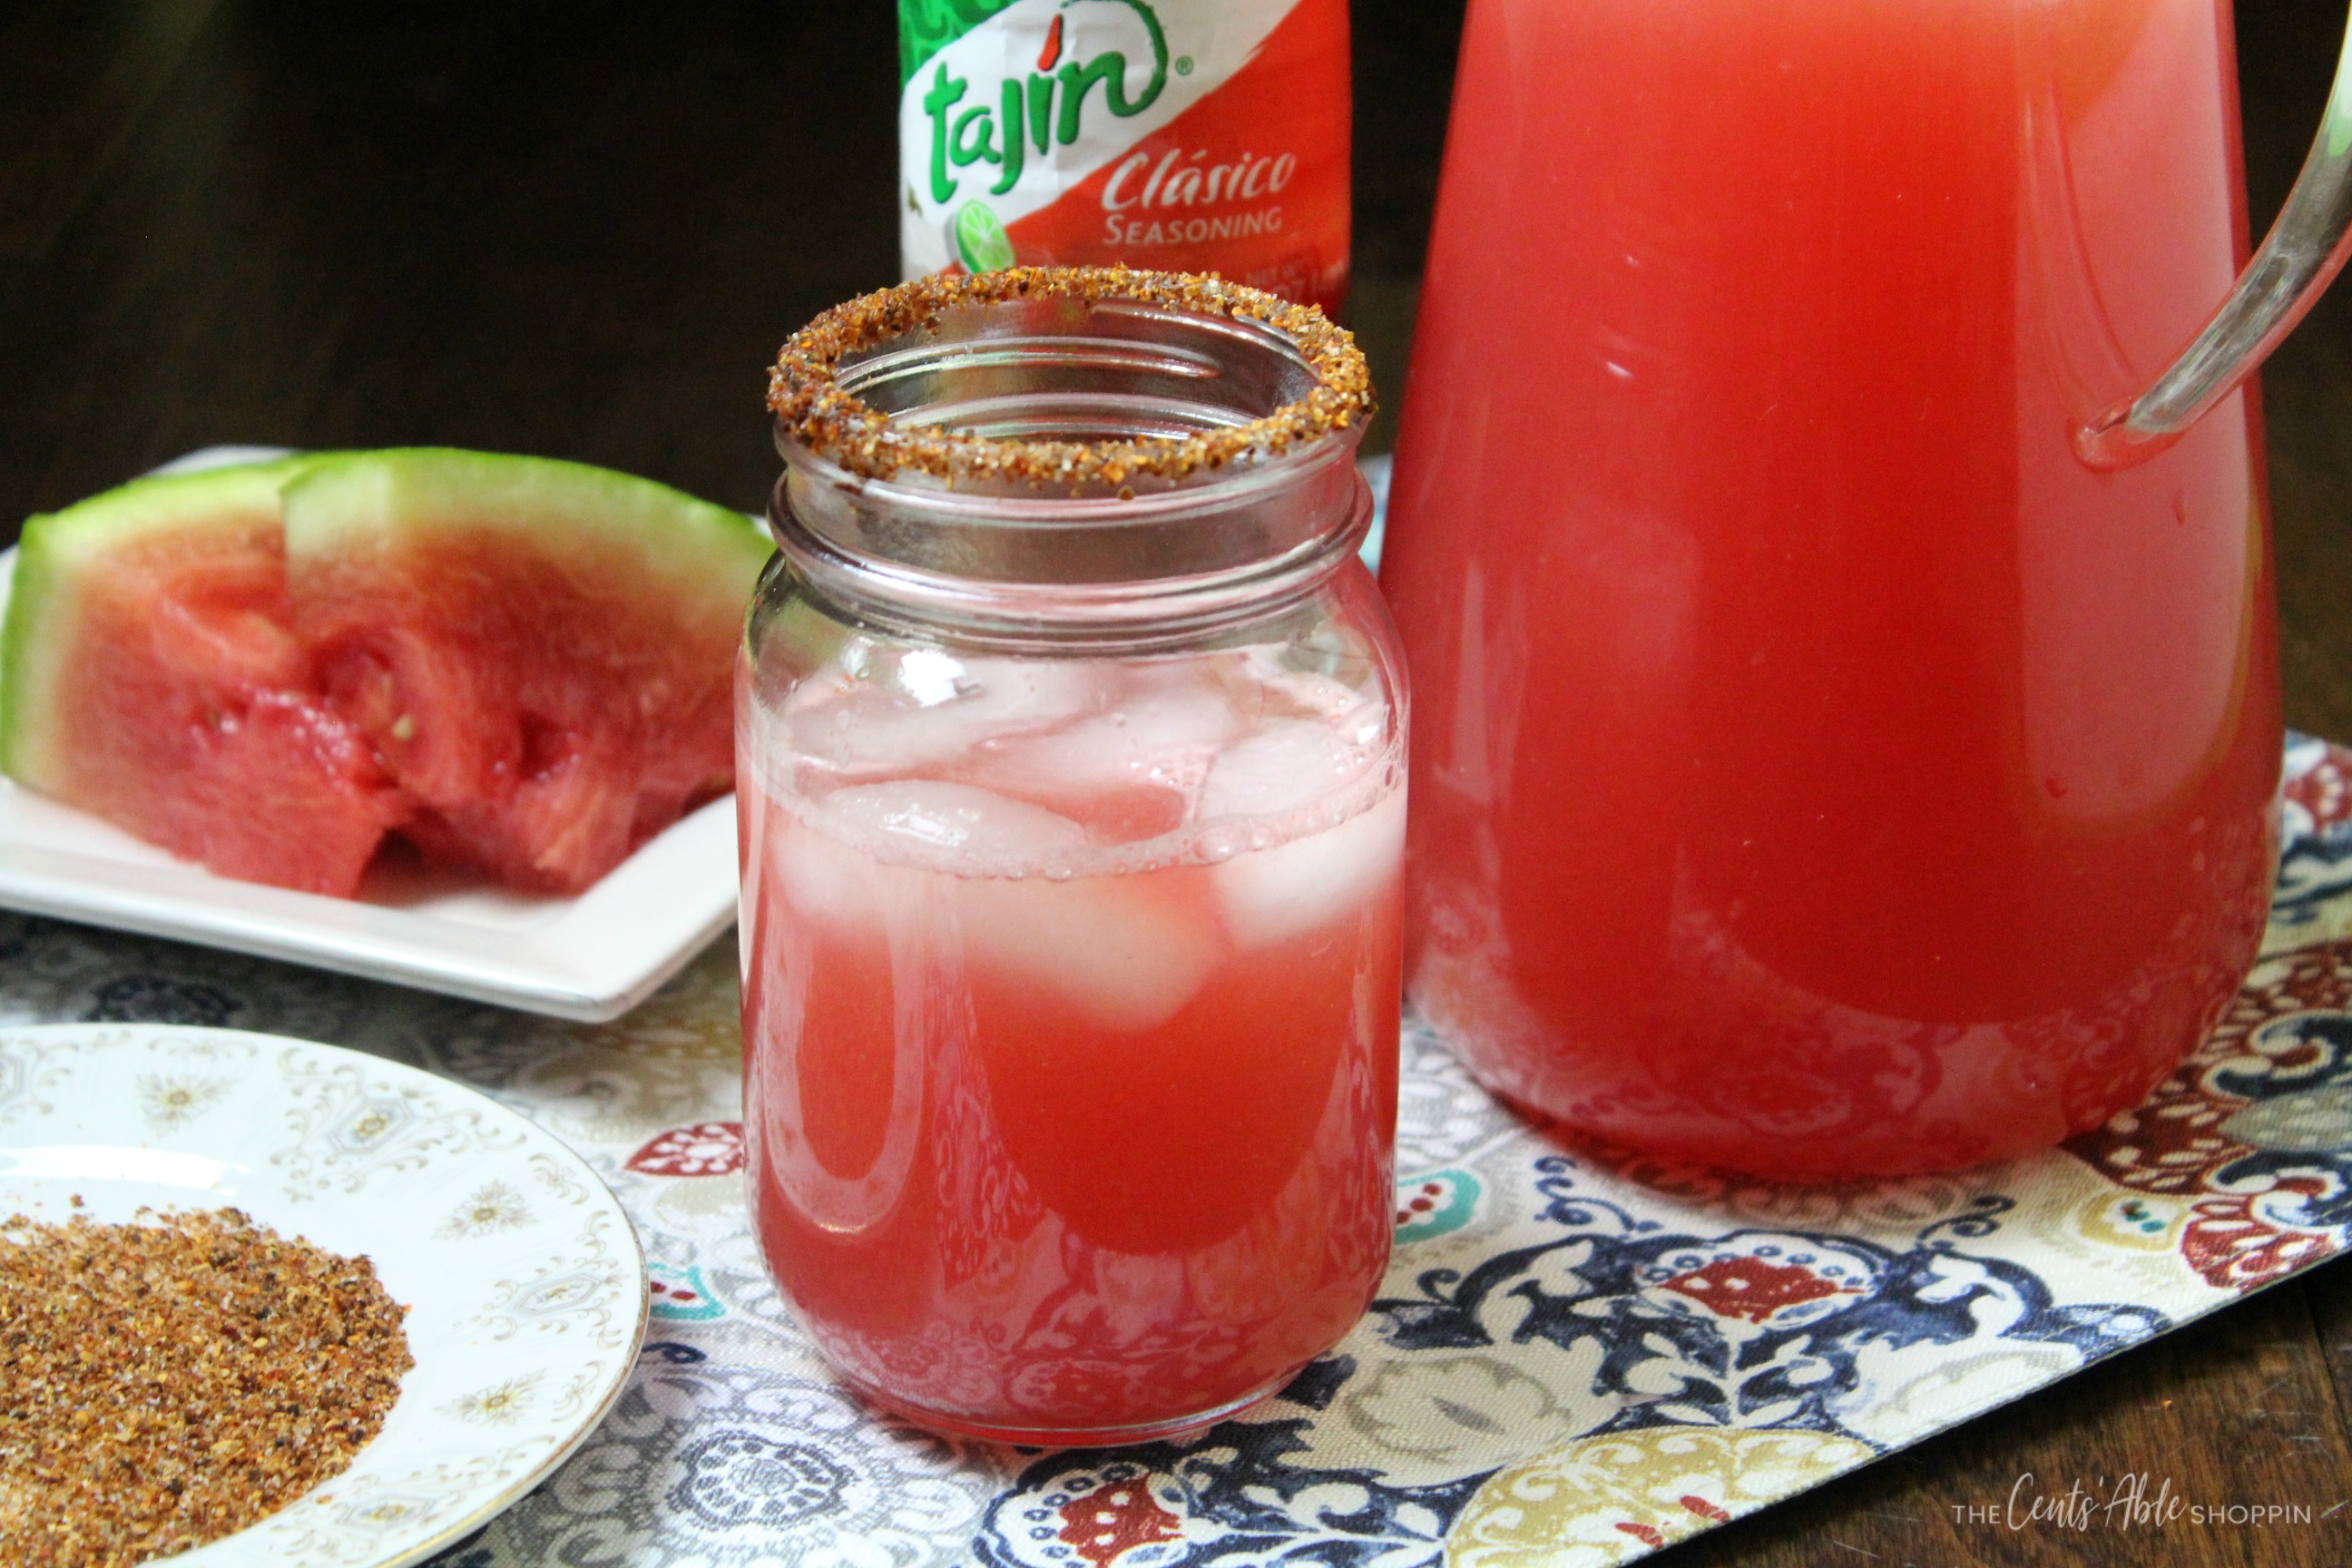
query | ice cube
[1162, 735]
[1312, 693]
[840, 868]
[956, 820]
[1289, 764]
[1120, 949]
[824, 878]
[1270, 895]
[929, 707]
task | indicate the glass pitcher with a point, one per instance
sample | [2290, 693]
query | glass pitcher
[1848, 732]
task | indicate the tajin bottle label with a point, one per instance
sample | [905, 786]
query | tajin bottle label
[1194, 136]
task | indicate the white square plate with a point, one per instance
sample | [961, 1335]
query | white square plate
[591, 957]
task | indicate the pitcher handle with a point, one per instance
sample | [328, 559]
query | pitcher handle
[2299, 258]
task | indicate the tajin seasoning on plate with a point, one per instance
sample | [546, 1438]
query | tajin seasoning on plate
[168, 1383]
[1185, 135]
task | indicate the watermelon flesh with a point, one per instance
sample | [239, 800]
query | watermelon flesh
[519, 666]
[151, 678]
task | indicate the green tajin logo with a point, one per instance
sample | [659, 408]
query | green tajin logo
[1027, 110]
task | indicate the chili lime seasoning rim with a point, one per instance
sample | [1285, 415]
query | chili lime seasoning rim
[817, 411]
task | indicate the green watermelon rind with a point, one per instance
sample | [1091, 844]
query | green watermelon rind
[54, 556]
[689, 547]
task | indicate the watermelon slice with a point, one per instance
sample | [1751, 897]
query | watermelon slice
[151, 677]
[520, 665]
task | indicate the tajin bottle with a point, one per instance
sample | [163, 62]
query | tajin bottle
[1189, 135]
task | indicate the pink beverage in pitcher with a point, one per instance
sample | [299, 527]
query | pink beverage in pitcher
[1822, 768]
[1072, 877]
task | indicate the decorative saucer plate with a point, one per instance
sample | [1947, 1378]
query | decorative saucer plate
[589, 957]
[523, 1280]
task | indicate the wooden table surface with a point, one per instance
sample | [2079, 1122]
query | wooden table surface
[580, 229]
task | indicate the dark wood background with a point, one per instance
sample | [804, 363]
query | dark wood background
[580, 229]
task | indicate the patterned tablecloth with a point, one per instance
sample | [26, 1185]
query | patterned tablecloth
[1569, 1364]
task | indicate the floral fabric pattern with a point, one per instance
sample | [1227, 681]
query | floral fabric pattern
[1579, 1356]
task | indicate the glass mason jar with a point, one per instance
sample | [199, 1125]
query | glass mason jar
[1070, 762]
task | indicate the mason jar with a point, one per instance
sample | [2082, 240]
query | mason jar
[1070, 767]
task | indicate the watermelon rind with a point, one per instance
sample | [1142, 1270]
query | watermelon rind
[688, 547]
[55, 558]
[674, 570]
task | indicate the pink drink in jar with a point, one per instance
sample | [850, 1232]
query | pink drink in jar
[1072, 949]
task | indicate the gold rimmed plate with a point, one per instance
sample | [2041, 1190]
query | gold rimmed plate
[523, 1280]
